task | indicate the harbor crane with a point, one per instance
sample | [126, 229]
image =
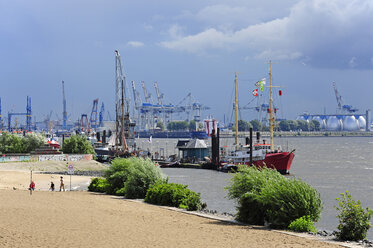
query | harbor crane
[93, 117]
[101, 115]
[146, 94]
[341, 106]
[27, 114]
[159, 96]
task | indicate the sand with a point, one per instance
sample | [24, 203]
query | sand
[84, 219]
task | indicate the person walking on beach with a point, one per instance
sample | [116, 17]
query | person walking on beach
[62, 185]
[52, 186]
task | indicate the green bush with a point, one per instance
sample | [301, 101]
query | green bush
[353, 219]
[77, 144]
[303, 224]
[265, 195]
[174, 195]
[289, 199]
[98, 185]
[244, 188]
[131, 177]
[116, 176]
[15, 143]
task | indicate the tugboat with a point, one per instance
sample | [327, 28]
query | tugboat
[262, 154]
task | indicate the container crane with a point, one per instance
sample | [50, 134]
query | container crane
[341, 107]
[101, 115]
[146, 94]
[93, 117]
[27, 114]
[64, 113]
[159, 96]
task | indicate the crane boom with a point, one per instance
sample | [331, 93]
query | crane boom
[337, 96]
[159, 96]
[135, 96]
[146, 95]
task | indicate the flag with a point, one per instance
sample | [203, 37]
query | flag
[150, 139]
[255, 92]
[261, 83]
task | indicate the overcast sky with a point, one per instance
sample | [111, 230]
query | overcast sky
[186, 46]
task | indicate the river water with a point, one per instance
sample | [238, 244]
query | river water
[332, 165]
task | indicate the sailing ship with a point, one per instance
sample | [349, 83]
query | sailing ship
[261, 154]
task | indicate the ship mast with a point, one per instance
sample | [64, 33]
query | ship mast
[271, 105]
[236, 111]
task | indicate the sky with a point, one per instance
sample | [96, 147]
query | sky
[186, 46]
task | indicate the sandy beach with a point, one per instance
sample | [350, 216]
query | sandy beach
[84, 219]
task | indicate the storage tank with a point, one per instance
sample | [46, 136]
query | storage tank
[350, 124]
[321, 121]
[334, 124]
[362, 122]
[302, 118]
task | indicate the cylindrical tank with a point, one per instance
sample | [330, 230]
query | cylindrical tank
[321, 121]
[362, 122]
[334, 124]
[350, 124]
[302, 118]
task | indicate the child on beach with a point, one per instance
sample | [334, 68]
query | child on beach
[52, 186]
[32, 186]
[62, 185]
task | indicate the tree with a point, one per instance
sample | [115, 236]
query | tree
[177, 125]
[78, 144]
[303, 125]
[317, 126]
[192, 125]
[243, 125]
[257, 126]
[14, 143]
[284, 125]
[293, 125]
[160, 125]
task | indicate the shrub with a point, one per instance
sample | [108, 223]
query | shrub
[98, 185]
[303, 224]
[353, 219]
[116, 176]
[245, 187]
[77, 144]
[265, 195]
[132, 177]
[289, 199]
[174, 195]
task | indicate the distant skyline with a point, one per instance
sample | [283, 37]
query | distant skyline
[193, 46]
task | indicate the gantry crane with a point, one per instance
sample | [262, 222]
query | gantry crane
[159, 96]
[101, 115]
[93, 117]
[341, 107]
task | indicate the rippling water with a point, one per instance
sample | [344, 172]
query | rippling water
[330, 164]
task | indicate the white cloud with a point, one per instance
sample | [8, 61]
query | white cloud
[325, 33]
[135, 43]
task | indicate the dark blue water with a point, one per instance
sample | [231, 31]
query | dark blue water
[330, 164]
